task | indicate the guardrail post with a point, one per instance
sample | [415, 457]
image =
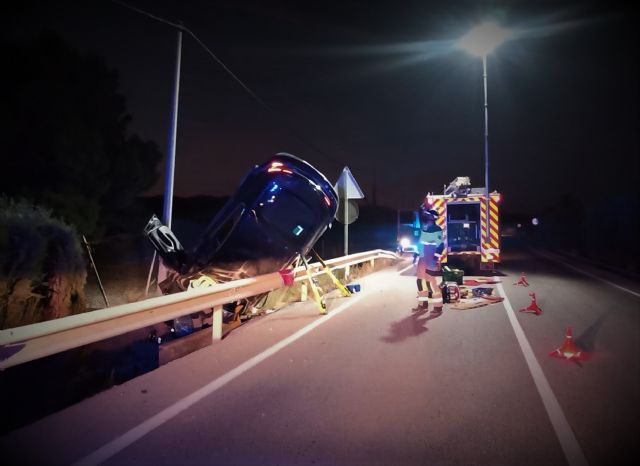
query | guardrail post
[372, 262]
[216, 324]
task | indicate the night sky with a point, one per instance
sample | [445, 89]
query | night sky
[377, 86]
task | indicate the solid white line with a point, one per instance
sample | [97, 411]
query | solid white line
[588, 274]
[568, 441]
[120, 443]
[405, 269]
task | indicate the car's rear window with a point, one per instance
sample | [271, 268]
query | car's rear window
[292, 217]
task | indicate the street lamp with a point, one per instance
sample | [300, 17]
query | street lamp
[167, 206]
[480, 41]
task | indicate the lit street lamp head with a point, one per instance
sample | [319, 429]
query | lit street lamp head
[484, 38]
[480, 41]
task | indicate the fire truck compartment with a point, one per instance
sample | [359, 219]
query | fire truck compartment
[463, 227]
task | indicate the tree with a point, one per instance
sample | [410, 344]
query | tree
[65, 135]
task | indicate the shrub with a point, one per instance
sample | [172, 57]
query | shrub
[42, 269]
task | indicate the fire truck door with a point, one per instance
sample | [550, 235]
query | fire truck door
[463, 227]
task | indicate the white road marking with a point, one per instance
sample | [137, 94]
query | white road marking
[568, 441]
[406, 268]
[588, 274]
[120, 443]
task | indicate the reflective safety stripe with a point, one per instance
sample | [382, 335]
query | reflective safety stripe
[489, 224]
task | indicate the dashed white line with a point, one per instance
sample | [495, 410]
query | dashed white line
[568, 441]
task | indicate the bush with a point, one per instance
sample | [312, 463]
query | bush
[42, 269]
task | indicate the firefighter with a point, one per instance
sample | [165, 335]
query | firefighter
[431, 246]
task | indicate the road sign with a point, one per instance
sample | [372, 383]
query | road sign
[352, 211]
[347, 188]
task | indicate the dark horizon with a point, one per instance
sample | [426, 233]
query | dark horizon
[347, 86]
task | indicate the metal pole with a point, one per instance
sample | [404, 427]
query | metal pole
[171, 157]
[346, 226]
[171, 152]
[93, 264]
[486, 145]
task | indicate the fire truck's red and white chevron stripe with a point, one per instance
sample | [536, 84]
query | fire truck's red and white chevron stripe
[490, 250]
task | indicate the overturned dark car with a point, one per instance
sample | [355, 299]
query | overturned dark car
[277, 213]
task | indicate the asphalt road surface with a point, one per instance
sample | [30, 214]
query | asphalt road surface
[375, 383]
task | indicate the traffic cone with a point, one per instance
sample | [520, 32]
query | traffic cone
[533, 307]
[568, 350]
[522, 280]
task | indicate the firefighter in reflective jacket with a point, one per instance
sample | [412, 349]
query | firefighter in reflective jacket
[430, 246]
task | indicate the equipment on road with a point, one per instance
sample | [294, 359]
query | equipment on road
[522, 281]
[450, 292]
[452, 275]
[481, 281]
[533, 307]
[353, 287]
[471, 298]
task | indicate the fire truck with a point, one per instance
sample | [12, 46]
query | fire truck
[469, 223]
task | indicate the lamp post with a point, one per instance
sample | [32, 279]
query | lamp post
[171, 152]
[480, 41]
[167, 206]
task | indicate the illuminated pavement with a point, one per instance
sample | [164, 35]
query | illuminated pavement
[377, 384]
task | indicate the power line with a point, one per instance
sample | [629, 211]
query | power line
[260, 101]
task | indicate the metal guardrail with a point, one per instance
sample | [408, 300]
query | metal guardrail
[27, 343]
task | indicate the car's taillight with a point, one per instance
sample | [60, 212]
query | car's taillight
[278, 167]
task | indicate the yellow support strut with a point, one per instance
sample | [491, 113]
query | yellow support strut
[343, 289]
[314, 288]
[314, 284]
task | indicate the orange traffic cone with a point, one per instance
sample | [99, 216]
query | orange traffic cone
[533, 307]
[568, 350]
[522, 280]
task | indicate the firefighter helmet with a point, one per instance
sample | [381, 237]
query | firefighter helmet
[429, 214]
